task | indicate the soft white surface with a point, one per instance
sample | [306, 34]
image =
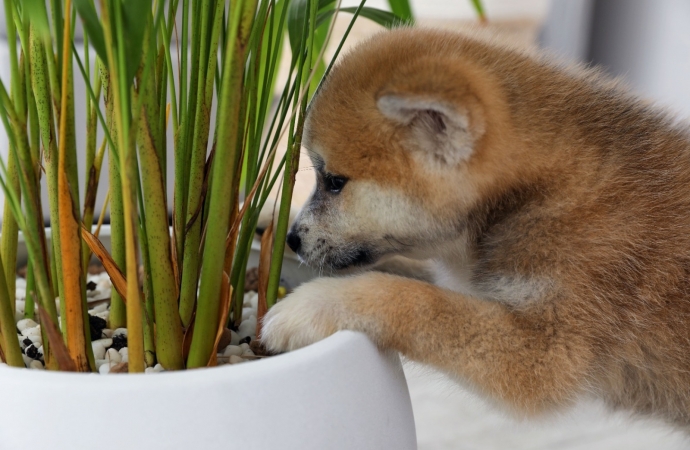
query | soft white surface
[449, 417]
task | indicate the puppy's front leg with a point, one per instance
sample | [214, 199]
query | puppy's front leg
[533, 359]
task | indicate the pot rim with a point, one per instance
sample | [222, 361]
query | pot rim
[340, 341]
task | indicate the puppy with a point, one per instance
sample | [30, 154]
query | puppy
[554, 205]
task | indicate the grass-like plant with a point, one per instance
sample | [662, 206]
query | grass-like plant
[229, 54]
[194, 262]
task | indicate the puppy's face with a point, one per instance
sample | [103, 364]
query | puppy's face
[393, 154]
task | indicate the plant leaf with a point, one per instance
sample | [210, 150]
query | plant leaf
[92, 26]
[225, 300]
[136, 16]
[114, 272]
[402, 9]
[57, 345]
[38, 16]
[384, 18]
[479, 9]
[264, 270]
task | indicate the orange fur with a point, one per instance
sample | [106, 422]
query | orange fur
[554, 204]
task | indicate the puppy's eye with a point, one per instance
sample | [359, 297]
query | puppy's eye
[334, 184]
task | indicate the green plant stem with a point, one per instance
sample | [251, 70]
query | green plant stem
[118, 310]
[10, 345]
[34, 232]
[190, 262]
[183, 138]
[168, 326]
[29, 305]
[225, 169]
[10, 230]
[122, 113]
[42, 95]
[291, 168]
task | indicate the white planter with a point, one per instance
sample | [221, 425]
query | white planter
[340, 393]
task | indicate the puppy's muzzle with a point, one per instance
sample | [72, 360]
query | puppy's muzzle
[294, 241]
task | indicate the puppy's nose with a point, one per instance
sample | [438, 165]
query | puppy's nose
[294, 241]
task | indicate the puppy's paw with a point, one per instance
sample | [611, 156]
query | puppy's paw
[314, 311]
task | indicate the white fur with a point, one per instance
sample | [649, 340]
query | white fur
[309, 314]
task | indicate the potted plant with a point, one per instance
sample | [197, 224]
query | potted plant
[341, 393]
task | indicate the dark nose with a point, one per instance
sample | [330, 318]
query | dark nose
[294, 241]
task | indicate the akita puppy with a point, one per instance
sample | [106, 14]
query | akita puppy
[554, 205]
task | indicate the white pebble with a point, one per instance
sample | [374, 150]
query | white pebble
[26, 324]
[235, 359]
[99, 308]
[103, 284]
[248, 327]
[102, 295]
[107, 332]
[18, 315]
[244, 346]
[124, 354]
[233, 350]
[252, 298]
[118, 331]
[104, 369]
[20, 293]
[36, 339]
[27, 360]
[234, 338]
[247, 313]
[20, 283]
[100, 362]
[20, 305]
[149, 370]
[158, 368]
[103, 315]
[93, 293]
[248, 352]
[35, 331]
[99, 347]
[36, 365]
[113, 356]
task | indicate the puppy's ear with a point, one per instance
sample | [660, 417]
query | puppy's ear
[438, 128]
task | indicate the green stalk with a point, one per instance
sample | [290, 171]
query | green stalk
[93, 166]
[118, 310]
[29, 305]
[168, 326]
[224, 170]
[34, 232]
[42, 94]
[122, 113]
[291, 168]
[10, 345]
[196, 168]
[10, 230]
[183, 138]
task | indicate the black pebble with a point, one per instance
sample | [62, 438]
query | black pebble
[119, 342]
[32, 352]
[91, 286]
[27, 342]
[246, 340]
[96, 325]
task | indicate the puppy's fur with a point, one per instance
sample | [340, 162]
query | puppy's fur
[555, 205]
